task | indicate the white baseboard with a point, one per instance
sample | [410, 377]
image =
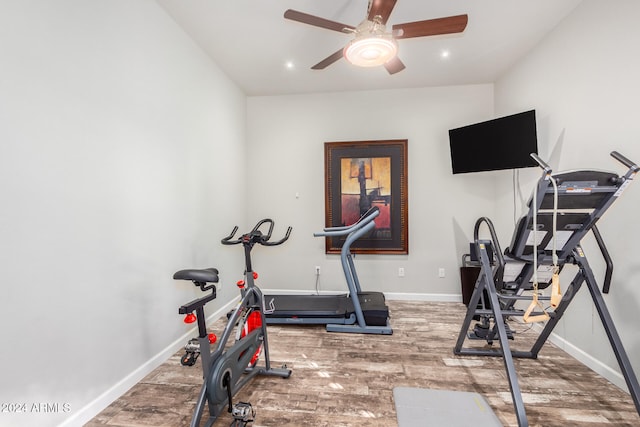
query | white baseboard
[93, 408]
[424, 297]
[586, 359]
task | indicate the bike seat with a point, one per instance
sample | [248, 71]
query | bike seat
[195, 275]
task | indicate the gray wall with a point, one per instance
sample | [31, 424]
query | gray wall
[118, 145]
[285, 142]
[583, 81]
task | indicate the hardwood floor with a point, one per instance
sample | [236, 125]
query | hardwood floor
[348, 380]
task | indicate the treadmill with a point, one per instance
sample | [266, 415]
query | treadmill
[355, 312]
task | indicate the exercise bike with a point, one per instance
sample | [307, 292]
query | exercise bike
[228, 368]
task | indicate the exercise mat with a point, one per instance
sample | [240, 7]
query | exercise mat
[426, 407]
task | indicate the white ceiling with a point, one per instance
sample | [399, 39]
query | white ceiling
[252, 42]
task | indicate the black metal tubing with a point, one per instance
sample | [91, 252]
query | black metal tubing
[609, 327]
[496, 247]
[607, 259]
[279, 242]
[248, 240]
[486, 281]
[198, 306]
[495, 353]
[545, 167]
[625, 161]
[567, 297]
[572, 253]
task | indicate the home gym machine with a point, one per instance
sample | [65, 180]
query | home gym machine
[565, 206]
[355, 312]
[229, 367]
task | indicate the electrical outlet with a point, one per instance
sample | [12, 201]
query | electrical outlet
[441, 272]
[317, 270]
[401, 272]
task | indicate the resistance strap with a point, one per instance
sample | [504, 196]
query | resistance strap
[527, 317]
[556, 294]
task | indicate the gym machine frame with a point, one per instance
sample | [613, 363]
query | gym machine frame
[345, 313]
[229, 367]
[600, 190]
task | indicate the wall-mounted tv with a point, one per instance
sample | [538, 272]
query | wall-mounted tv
[503, 143]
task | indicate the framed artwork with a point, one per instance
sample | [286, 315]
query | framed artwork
[358, 176]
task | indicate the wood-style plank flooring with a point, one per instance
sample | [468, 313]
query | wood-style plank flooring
[348, 380]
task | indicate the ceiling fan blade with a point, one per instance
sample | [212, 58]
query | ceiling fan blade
[431, 27]
[328, 61]
[316, 21]
[394, 65]
[381, 8]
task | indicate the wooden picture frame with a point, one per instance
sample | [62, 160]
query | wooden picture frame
[362, 174]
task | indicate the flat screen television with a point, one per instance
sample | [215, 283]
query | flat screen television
[502, 143]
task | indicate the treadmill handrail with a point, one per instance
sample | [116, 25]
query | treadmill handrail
[364, 217]
[342, 231]
[346, 247]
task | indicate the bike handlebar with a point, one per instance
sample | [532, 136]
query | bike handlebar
[227, 240]
[256, 235]
[281, 241]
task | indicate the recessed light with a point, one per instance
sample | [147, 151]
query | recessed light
[289, 65]
[444, 54]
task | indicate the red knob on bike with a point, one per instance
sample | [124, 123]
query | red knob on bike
[240, 284]
[190, 318]
[255, 275]
[212, 338]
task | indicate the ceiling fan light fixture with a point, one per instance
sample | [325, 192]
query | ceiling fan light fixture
[371, 50]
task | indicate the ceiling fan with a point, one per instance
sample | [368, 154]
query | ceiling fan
[372, 45]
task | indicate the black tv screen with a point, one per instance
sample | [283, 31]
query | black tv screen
[503, 143]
